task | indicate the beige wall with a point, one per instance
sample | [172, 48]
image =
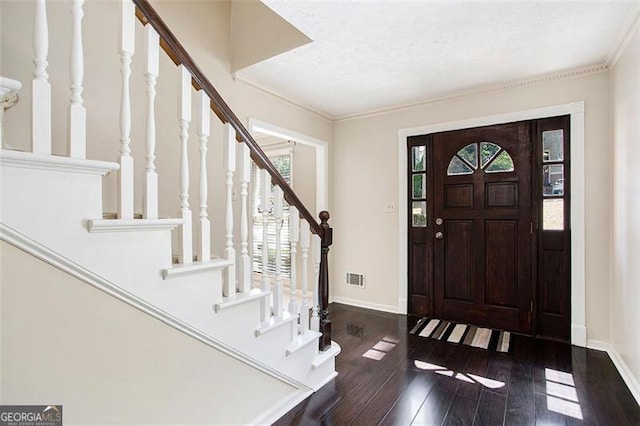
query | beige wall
[365, 173]
[625, 247]
[64, 342]
[203, 28]
[364, 158]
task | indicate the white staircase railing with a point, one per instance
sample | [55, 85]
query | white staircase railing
[238, 276]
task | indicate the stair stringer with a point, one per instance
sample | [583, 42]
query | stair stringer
[49, 256]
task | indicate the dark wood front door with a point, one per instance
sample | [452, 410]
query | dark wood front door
[478, 227]
[482, 241]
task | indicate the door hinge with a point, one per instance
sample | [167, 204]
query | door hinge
[531, 308]
[531, 227]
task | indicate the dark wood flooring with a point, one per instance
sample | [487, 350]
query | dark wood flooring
[422, 381]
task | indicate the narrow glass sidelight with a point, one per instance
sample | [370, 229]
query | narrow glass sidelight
[553, 180]
[553, 214]
[418, 156]
[419, 214]
[419, 186]
[552, 145]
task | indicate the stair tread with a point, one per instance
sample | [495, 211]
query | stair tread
[240, 298]
[275, 322]
[326, 355]
[183, 269]
[301, 341]
[132, 225]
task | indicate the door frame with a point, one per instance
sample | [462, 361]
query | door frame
[322, 156]
[577, 220]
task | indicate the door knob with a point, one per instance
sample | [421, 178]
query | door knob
[439, 235]
[439, 221]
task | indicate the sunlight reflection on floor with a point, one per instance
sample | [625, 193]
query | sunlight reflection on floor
[562, 396]
[469, 378]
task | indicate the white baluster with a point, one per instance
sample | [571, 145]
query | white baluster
[204, 121]
[229, 286]
[315, 318]
[127, 49]
[245, 260]
[40, 86]
[265, 206]
[278, 204]
[150, 197]
[304, 247]
[184, 118]
[77, 111]
[294, 234]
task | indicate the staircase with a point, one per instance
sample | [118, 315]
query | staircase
[52, 208]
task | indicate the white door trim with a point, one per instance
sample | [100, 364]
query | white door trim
[578, 206]
[322, 156]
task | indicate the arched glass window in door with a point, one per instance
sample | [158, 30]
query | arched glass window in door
[486, 156]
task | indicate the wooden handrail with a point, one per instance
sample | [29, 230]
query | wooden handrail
[174, 49]
[178, 54]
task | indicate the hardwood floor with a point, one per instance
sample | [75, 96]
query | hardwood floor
[422, 381]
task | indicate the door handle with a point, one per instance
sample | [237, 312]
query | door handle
[439, 235]
[439, 221]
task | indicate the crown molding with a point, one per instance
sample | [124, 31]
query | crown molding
[477, 92]
[485, 90]
[271, 92]
[626, 38]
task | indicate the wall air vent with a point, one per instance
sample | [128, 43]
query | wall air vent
[356, 280]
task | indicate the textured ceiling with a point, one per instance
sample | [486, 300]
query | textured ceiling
[371, 55]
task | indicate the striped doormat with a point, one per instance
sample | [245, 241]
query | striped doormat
[470, 335]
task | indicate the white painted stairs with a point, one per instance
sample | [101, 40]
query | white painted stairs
[52, 208]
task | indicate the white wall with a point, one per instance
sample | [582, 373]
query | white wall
[625, 246]
[365, 181]
[204, 29]
[67, 343]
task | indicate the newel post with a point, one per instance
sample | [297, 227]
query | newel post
[323, 282]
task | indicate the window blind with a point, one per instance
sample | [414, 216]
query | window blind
[283, 165]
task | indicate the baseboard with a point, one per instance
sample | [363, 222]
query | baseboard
[626, 373]
[402, 306]
[579, 335]
[598, 345]
[329, 378]
[368, 305]
[272, 414]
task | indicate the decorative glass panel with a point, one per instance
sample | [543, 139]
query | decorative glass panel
[419, 187]
[553, 214]
[502, 163]
[553, 179]
[470, 154]
[552, 145]
[419, 213]
[419, 158]
[458, 167]
[488, 150]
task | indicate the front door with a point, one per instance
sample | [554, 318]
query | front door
[476, 225]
